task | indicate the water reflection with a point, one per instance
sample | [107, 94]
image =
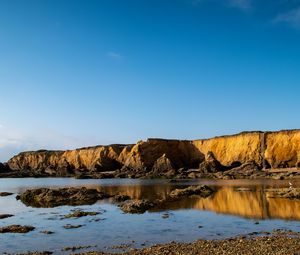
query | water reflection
[250, 203]
[245, 198]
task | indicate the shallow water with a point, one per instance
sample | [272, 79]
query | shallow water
[229, 212]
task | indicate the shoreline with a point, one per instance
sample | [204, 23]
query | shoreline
[278, 242]
[233, 174]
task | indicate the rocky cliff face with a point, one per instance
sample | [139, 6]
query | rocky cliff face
[160, 156]
[282, 149]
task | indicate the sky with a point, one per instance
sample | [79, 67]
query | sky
[75, 73]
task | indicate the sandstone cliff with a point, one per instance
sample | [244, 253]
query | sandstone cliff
[160, 156]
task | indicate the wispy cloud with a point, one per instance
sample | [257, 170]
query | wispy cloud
[291, 18]
[13, 141]
[114, 56]
[244, 5]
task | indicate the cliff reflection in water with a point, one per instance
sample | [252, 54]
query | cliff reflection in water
[249, 203]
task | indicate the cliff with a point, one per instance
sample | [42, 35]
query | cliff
[168, 157]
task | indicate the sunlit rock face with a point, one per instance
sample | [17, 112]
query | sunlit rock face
[264, 149]
[283, 148]
[144, 154]
[241, 148]
[99, 158]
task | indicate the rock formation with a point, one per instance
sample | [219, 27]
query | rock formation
[161, 157]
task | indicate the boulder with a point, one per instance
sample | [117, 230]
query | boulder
[211, 164]
[245, 170]
[45, 197]
[4, 216]
[202, 191]
[137, 206]
[5, 194]
[16, 229]
[4, 168]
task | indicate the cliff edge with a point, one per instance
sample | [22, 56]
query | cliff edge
[162, 157]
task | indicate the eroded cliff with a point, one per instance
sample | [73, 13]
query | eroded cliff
[168, 157]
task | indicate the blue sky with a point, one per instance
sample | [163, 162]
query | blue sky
[86, 72]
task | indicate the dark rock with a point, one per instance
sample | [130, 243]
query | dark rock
[163, 166]
[36, 253]
[4, 216]
[202, 191]
[4, 168]
[79, 247]
[245, 170]
[78, 214]
[5, 194]
[16, 229]
[121, 198]
[211, 164]
[45, 197]
[137, 206]
[47, 232]
[69, 226]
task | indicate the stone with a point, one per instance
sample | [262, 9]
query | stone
[78, 214]
[137, 206]
[4, 216]
[69, 226]
[5, 194]
[45, 197]
[211, 164]
[202, 191]
[121, 198]
[16, 229]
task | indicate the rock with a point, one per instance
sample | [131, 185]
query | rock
[74, 248]
[162, 165]
[121, 198]
[69, 226]
[64, 163]
[16, 229]
[47, 232]
[164, 157]
[45, 197]
[202, 191]
[165, 216]
[4, 168]
[211, 164]
[5, 194]
[290, 193]
[244, 171]
[36, 253]
[137, 206]
[78, 214]
[4, 216]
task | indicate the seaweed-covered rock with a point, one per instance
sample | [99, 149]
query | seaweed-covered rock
[16, 229]
[137, 206]
[45, 197]
[78, 214]
[202, 191]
